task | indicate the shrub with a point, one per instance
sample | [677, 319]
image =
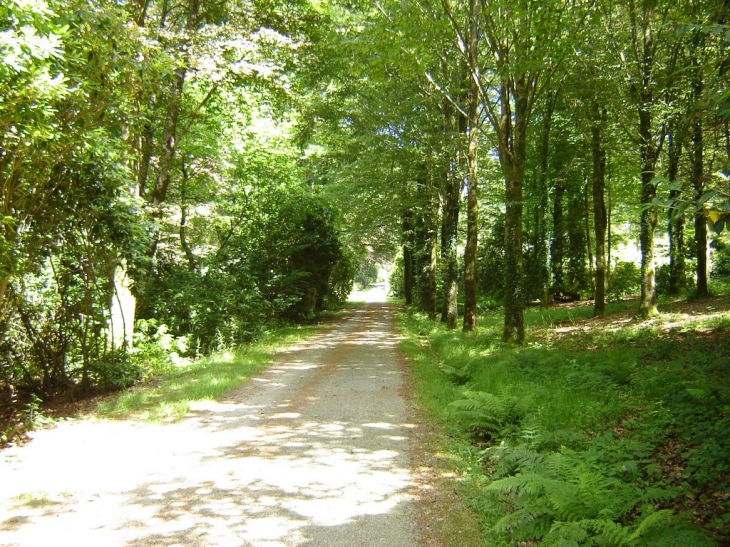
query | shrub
[720, 258]
[624, 280]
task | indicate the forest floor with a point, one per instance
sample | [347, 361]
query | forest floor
[321, 449]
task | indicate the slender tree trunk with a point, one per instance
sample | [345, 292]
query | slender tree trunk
[470, 250]
[424, 246]
[541, 236]
[408, 257]
[589, 246]
[169, 132]
[698, 187]
[146, 149]
[648, 152]
[512, 160]
[449, 233]
[648, 224]
[675, 226]
[557, 246]
[431, 301]
[169, 143]
[183, 231]
[600, 218]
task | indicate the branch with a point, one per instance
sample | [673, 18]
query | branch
[194, 114]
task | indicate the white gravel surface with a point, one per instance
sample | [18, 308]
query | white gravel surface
[313, 452]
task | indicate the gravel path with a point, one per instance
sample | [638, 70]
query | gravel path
[313, 452]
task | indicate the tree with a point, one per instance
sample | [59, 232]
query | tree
[645, 55]
[525, 44]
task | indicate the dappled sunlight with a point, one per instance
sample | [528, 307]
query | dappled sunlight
[313, 452]
[666, 322]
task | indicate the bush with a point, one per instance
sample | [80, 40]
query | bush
[720, 258]
[624, 280]
[397, 287]
[662, 280]
[276, 267]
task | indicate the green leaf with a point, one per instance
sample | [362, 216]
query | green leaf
[707, 196]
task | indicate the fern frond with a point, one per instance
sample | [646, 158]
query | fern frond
[469, 405]
[655, 495]
[530, 483]
[616, 534]
[525, 524]
[656, 519]
[566, 534]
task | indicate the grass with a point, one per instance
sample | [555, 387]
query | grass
[33, 501]
[168, 397]
[643, 406]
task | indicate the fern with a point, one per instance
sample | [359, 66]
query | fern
[491, 415]
[583, 504]
[656, 519]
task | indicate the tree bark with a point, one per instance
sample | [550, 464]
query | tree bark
[557, 246]
[169, 137]
[169, 142]
[542, 213]
[600, 218]
[589, 247]
[648, 153]
[408, 257]
[698, 187]
[512, 152]
[675, 226]
[449, 233]
[472, 206]
[424, 254]
[648, 224]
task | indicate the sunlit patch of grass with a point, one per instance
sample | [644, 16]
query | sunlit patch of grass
[33, 500]
[168, 397]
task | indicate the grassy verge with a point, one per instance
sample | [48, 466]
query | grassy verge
[597, 432]
[168, 397]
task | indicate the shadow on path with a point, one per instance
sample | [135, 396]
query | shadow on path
[313, 452]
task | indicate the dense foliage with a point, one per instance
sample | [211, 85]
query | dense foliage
[619, 444]
[155, 192]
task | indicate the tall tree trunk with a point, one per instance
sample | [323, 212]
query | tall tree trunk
[541, 246]
[472, 205]
[431, 300]
[698, 187]
[557, 246]
[675, 226]
[449, 233]
[648, 221]
[146, 148]
[183, 230]
[589, 247]
[648, 153]
[424, 249]
[512, 151]
[600, 218]
[408, 256]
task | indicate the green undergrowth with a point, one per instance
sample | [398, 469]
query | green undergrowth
[605, 432]
[168, 396]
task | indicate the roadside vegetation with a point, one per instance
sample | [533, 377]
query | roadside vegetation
[598, 431]
[167, 397]
[162, 385]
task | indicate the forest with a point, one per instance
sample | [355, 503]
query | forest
[180, 177]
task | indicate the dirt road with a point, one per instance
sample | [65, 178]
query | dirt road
[313, 452]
